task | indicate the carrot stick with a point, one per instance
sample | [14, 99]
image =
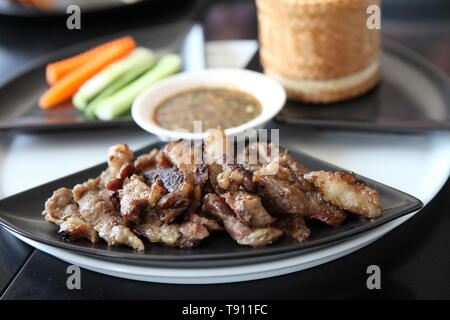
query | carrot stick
[57, 70]
[67, 86]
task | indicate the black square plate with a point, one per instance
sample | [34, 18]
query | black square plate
[21, 213]
[412, 96]
[20, 111]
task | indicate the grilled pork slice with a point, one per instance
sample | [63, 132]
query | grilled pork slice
[157, 231]
[188, 159]
[342, 190]
[187, 173]
[241, 233]
[172, 205]
[182, 153]
[97, 208]
[295, 226]
[216, 145]
[283, 193]
[171, 178]
[226, 175]
[267, 153]
[176, 181]
[120, 166]
[195, 229]
[62, 210]
[281, 185]
[184, 169]
[208, 222]
[248, 208]
[119, 155]
[146, 161]
[187, 234]
[136, 195]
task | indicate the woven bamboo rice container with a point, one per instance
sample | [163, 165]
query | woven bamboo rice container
[320, 50]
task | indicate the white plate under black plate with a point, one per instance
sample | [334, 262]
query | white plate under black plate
[412, 95]
[21, 213]
[19, 95]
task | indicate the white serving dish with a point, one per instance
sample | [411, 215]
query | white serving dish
[269, 92]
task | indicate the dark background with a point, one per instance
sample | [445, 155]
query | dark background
[414, 259]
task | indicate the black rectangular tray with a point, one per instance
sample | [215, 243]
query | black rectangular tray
[412, 96]
[19, 95]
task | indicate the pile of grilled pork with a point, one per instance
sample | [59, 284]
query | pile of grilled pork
[168, 196]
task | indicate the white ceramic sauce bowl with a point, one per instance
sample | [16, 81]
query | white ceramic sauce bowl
[268, 92]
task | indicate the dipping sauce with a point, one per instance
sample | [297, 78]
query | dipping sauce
[213, 106]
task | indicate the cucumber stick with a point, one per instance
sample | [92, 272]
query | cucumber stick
[120, 102]
[89, 111]
[139, 57]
